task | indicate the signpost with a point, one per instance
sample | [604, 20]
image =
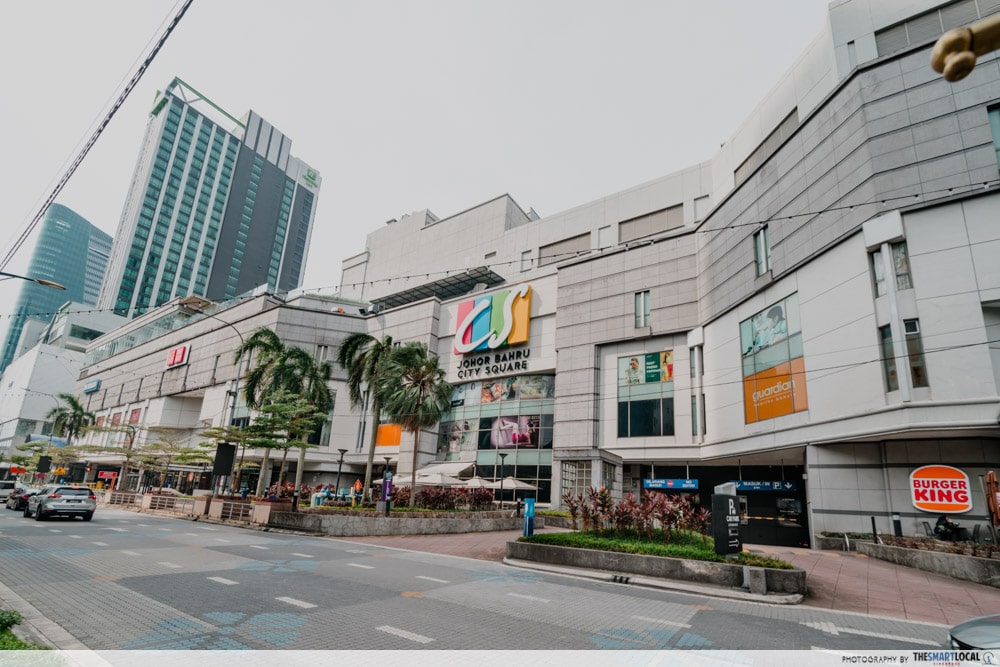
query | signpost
[764, 485]
[726, 520]
[673, 484]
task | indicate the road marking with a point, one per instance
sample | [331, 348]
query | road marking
[192, 534]
[301, 555]
[366, 567]
[356, 551]
[257, 546]
[661, 621]
[206, 528]
[131, 553]
[101, 544]
[222, 539]
[528, 597]
[76, 537]
[297, 603]
[117, 530]
[167, 529]
[166, 564]
[437, 581]
[54, 530]
[144, 525]
[835, 630]
[412, 636]
[221, 580]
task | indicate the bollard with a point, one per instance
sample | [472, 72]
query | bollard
[897, 526]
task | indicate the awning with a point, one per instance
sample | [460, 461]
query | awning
[446, 468]
[38, 437]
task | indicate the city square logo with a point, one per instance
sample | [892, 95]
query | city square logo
[940, 489]
[493, 321]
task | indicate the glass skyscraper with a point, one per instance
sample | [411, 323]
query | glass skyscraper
[211, 212]
[71, 252]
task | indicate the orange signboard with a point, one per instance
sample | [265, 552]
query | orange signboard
[778, 391]
[388, 435]
[940, 488]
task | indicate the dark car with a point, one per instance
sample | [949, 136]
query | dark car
[18, 499]
[62, 500]
[982, 633]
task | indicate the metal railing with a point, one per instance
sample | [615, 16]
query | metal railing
[127, 498]
[238, 511]
[172, 504]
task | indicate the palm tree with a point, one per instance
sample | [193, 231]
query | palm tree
[70, 419]
[285, 368]
[362, 356]
[414, 393]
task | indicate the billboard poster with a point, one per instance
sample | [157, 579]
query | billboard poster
[509, 432]
[646, 368]
[774, 381]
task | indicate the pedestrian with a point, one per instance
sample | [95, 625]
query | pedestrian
[946, 529]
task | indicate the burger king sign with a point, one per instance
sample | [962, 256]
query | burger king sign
[940, 489]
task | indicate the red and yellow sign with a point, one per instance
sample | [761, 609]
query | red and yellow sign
[941, 489]
[778, 391]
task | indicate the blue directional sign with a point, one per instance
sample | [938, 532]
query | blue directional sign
[670, 484]
[764, 485]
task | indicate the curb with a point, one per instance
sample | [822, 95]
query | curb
[662, 584]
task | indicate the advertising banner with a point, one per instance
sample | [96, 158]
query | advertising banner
[646, 368]
[774, 381]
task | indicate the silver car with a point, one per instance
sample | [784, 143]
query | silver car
[62, 500]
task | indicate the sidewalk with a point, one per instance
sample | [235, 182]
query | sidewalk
[841, 581]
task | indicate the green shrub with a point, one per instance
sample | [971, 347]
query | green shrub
[8, 619]
[669, 544]
[8, 640]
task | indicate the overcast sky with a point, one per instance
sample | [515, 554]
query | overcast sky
[401, 105]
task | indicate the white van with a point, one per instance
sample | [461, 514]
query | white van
[6, 488]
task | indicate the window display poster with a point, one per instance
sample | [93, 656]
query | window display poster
[465, 394]
[510, 432]
[646, 368]
[774, 379]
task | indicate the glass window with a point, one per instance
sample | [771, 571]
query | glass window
[762, 251]
[900, 266]
[915, 353]
[642, 309]
[888, 359]
[575, 478]
[526, 260]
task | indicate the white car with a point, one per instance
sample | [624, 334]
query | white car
[7, 487]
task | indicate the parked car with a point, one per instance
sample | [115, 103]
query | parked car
[61, 500]
[982, 633]
[18, 499]
[7, 487]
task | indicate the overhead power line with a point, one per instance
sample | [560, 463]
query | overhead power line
[93, 138]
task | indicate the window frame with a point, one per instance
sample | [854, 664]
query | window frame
[762, 250]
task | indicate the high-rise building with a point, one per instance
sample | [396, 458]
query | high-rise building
[71, 252]
[211, 212]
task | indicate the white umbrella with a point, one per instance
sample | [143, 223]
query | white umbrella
[439, 479]
[512, 483]
[477, 483]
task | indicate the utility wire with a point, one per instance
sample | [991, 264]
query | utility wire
[129, 87]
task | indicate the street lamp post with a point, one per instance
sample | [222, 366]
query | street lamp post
[39, 281]
[386, 476]
[502, 455]
[340, 464]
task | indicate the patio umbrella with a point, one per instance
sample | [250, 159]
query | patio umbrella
[439, 479]
[477, 483]
[512, 483]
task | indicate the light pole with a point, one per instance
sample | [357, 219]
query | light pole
[39, 281]
[340, 464]
[502, 455]
[195, 304]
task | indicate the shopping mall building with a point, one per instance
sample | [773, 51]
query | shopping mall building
[813, 314]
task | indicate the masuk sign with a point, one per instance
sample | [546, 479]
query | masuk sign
[940, 489]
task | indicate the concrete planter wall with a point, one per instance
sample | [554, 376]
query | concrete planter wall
[958, 566]
[758, 579]
[415, 523]
[836, 543]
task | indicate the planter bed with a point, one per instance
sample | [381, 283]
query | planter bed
[957, 566]
[361, 523]
[760, 580]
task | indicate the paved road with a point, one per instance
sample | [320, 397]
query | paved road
[137, 581]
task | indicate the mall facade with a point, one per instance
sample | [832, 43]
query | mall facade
[813, 314]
